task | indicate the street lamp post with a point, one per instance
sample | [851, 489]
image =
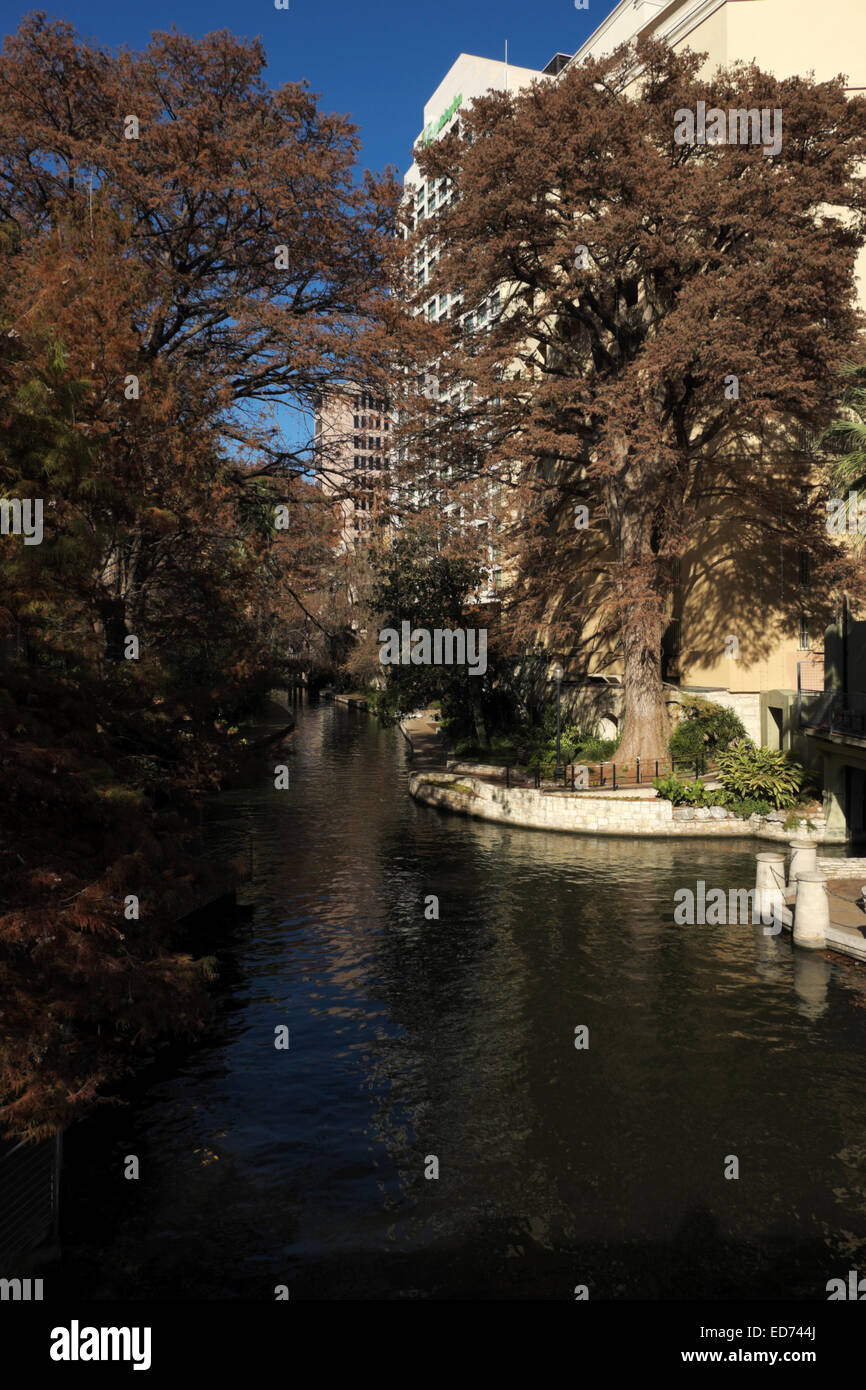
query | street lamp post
[557, 676]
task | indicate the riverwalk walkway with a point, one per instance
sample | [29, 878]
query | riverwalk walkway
[424, 737]
[845, 904]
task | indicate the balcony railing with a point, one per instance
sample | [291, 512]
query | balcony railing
[839, 712]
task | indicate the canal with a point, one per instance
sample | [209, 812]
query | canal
[413, 1038]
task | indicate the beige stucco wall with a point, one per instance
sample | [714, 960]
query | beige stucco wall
[710, 37]
[782, 36]
[796, 36]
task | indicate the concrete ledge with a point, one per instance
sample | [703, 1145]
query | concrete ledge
[581, 813]
[847, 943]
[843, 868]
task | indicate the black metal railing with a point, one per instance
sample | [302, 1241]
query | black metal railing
[610, 775]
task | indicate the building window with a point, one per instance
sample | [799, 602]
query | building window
[804, 632]
[805, 569]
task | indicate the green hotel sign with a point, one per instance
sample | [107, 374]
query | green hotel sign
[433, 129]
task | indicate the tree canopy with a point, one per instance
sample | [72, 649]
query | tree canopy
[671, 321]
[182, 249]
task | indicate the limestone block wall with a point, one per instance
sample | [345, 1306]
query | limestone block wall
[639, 813]
[527, 807]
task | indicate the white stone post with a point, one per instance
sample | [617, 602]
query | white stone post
[804, 859]
[770, 880]
[811, 910]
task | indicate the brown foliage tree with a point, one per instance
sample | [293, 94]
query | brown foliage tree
[161, 295]
[223, 256]
[636, 276]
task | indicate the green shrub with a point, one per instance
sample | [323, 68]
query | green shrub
[763, 773]
[696, 794]
[591, 749]
[704, 728]
[686, 793]
[542, 746]
[747, 806]
[576, 746]
[671, 789]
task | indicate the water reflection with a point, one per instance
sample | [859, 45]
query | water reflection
[455, 1038]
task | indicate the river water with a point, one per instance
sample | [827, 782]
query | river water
[454, 1039]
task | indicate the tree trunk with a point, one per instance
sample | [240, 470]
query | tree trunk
[481, 734]
[113, 615]
[647, 728]
[646, 733]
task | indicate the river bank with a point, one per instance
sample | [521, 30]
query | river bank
[630, 812]
[474, 789]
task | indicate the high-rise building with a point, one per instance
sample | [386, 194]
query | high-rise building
[469, 77]
[353, 461]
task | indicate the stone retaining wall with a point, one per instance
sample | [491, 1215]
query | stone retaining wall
[582, 813]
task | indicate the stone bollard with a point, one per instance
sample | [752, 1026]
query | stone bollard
[804, 859]
[769, 879]
[811, 910]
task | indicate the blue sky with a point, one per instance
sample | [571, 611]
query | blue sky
[376, 62]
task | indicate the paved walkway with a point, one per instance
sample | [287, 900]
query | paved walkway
[845, 912]
[425, 739]
[353, 700]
